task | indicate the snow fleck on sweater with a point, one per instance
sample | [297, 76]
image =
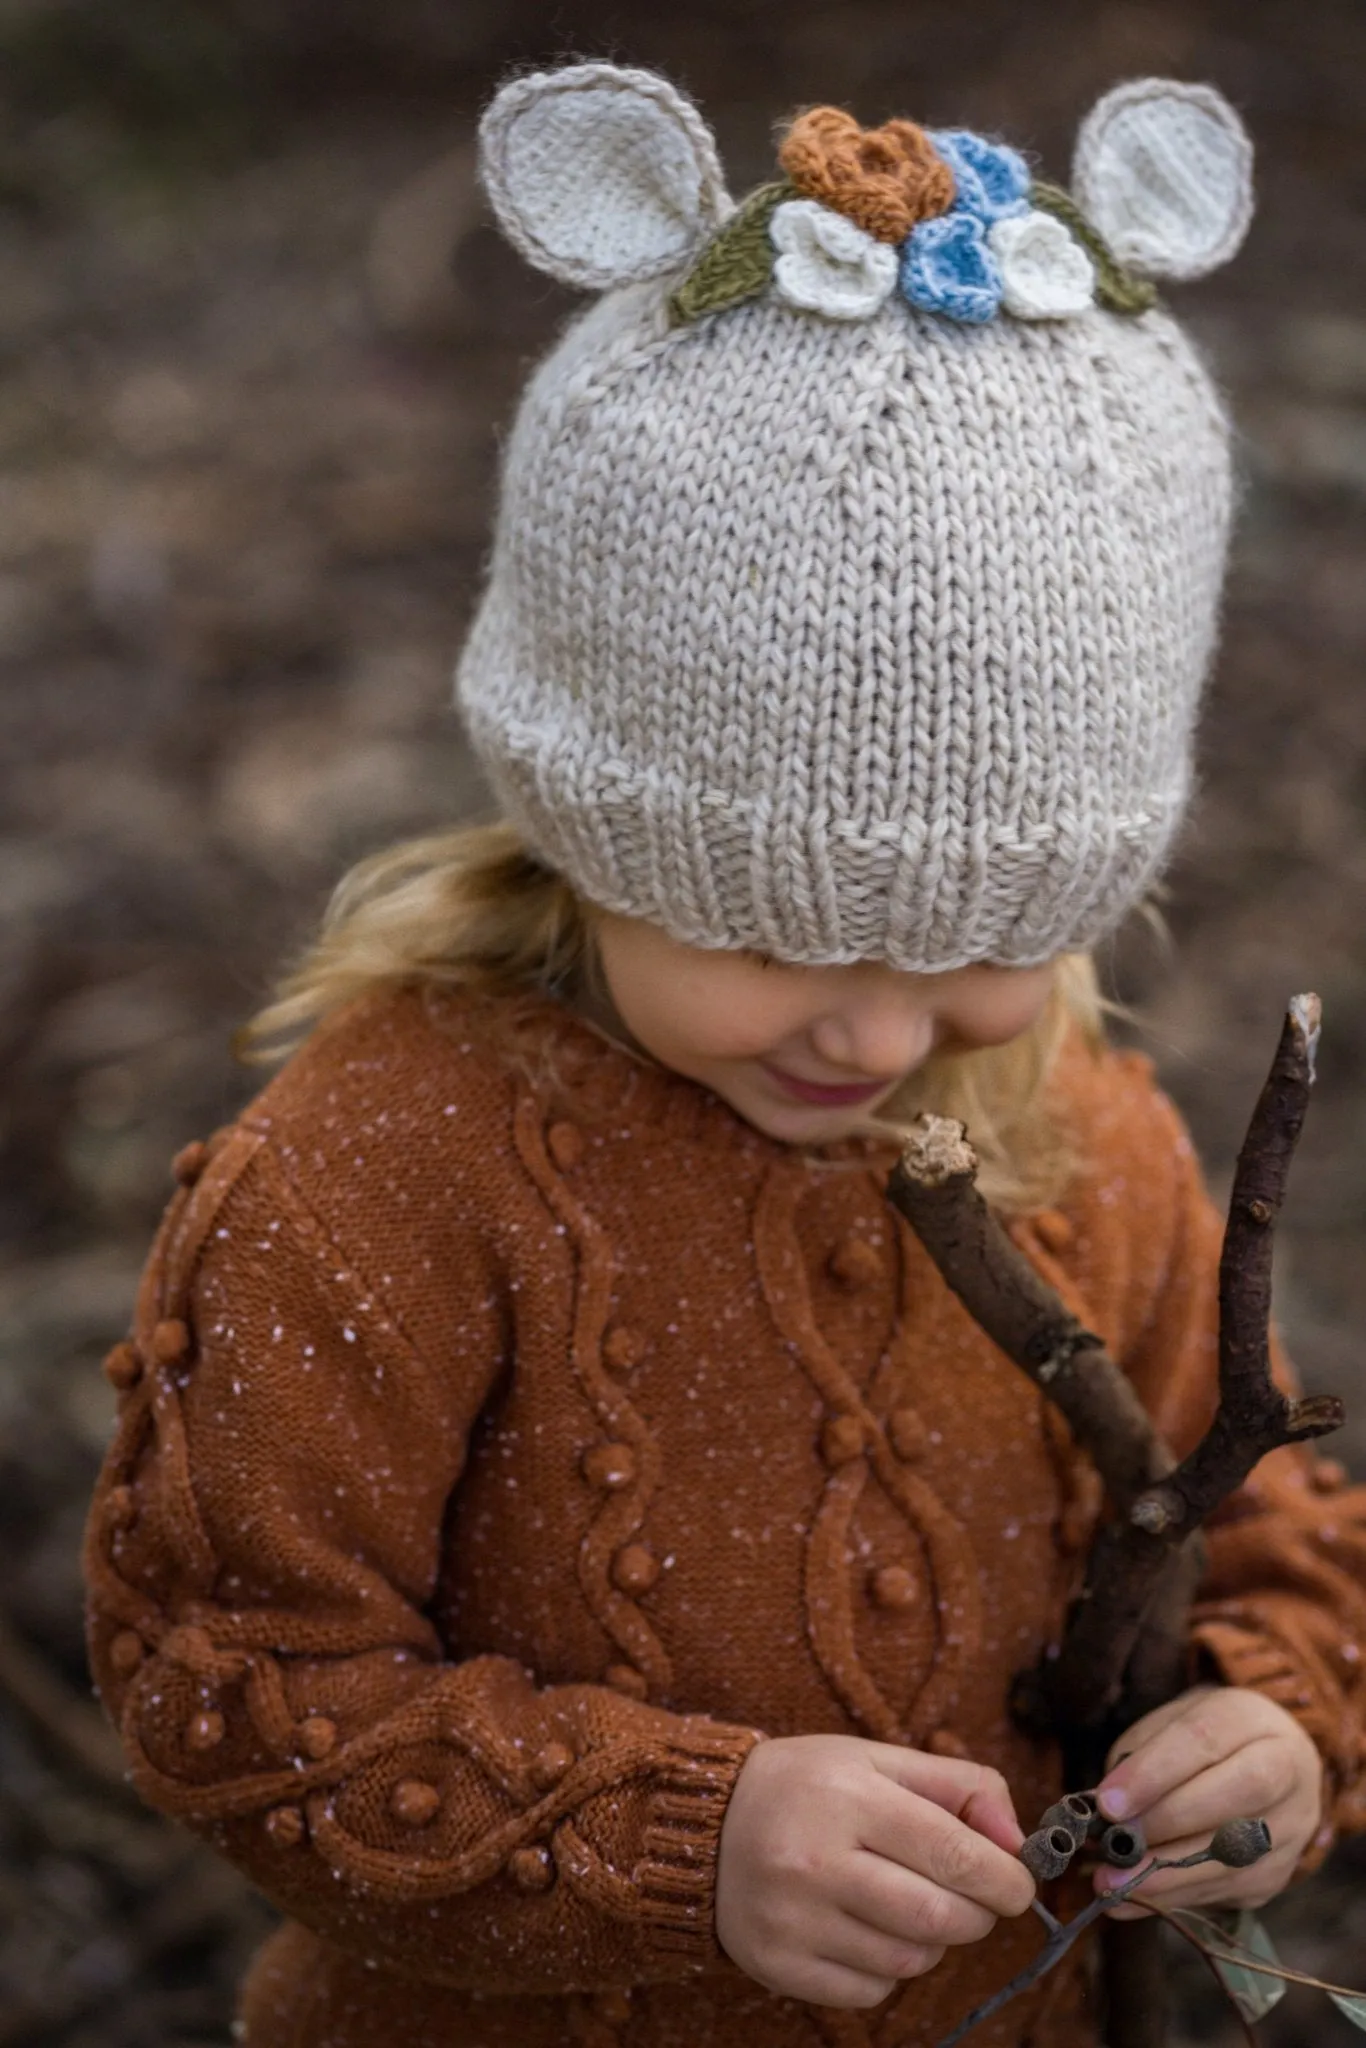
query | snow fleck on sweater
[511, 1436]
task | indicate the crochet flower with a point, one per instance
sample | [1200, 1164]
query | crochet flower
[826, 264]
[1045, 274]
[990, 180]
[946, 267]
[883, 179]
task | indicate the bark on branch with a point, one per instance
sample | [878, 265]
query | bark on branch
[934, 1185]
[1133, 1571]
[1124, 1642]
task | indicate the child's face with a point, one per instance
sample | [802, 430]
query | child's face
[803, 1053]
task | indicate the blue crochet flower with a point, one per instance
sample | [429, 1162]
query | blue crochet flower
[992, 181]
[946, 267]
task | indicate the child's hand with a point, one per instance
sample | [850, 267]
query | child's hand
[1217, 1753]
[845, 1865]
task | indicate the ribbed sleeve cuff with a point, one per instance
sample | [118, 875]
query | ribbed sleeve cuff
[1263, 1663]
[677, 1870]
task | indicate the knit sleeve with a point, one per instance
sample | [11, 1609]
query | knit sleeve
[261, 1551]
[1282, 1607]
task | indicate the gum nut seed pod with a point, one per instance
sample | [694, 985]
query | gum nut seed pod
[1098, 1823]
[1047, 1852]
[1240, 1842]
[1123, 1845]
[1070, 1812]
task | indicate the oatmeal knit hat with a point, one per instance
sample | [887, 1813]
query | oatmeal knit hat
[858, 558]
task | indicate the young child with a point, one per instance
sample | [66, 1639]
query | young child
[562, 1539]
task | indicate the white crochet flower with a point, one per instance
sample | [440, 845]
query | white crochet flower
[1045, 272]
[828, 265]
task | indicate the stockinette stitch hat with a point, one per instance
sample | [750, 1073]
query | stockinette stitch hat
[858, 558]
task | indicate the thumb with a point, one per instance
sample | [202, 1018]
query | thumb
[973, 1793]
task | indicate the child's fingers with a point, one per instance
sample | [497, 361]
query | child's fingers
[1212, 1725]
[976, 1794]
[854, 1946]
[1161, 1885]
[921, 1836]
[1252, 1781]
[1144, 1729]
[885, 1896]
[824, 1980]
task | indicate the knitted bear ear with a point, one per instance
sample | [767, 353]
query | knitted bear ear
[600, 175]
[1164, 171]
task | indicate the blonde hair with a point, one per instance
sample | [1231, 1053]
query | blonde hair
[473, 908]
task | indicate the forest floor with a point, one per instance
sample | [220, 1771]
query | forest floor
[258, 346]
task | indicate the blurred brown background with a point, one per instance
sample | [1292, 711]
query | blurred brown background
[259, 343]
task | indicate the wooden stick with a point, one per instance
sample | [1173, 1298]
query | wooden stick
[1130, 1555]
[1127, 1630]
[934, 1185]
[1158, 1503]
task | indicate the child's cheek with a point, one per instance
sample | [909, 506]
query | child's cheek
[1009, 1010]
[738, 1022]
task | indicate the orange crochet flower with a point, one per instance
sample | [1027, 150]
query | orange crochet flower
[884, 179]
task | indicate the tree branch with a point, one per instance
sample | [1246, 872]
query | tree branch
[1158, 1503]
[1127, 1630]
[1132, 1554]
[934, 1185]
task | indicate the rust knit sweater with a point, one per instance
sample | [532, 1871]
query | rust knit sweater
[511, 1436]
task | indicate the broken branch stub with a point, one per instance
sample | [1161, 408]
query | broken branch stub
[934, 1185]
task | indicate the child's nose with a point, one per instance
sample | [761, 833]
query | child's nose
[878, 1038]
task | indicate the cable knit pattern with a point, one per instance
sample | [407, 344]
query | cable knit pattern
[512, 1436]
[631, 1481]
[855, 1445]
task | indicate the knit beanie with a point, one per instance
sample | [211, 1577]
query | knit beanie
[859, 549]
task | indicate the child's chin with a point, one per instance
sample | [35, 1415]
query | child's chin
[800, 1122]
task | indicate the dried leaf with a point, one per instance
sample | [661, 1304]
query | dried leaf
[1352, 2006]
[1254, 1992]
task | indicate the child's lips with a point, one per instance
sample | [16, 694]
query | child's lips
[816, 1091]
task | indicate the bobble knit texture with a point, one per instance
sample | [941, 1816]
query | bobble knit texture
[459, 1538]
[854, 641]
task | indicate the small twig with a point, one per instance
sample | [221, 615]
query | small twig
[1244, 2022]
[934, 1185]
[1060, 1941]
[1062, 1935]
[1254, 1415]
[1242, 1959]
[1050, 1920]
[1123, 1643]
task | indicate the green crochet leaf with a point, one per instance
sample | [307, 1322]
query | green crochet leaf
[738, 260]
[1116, 287]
